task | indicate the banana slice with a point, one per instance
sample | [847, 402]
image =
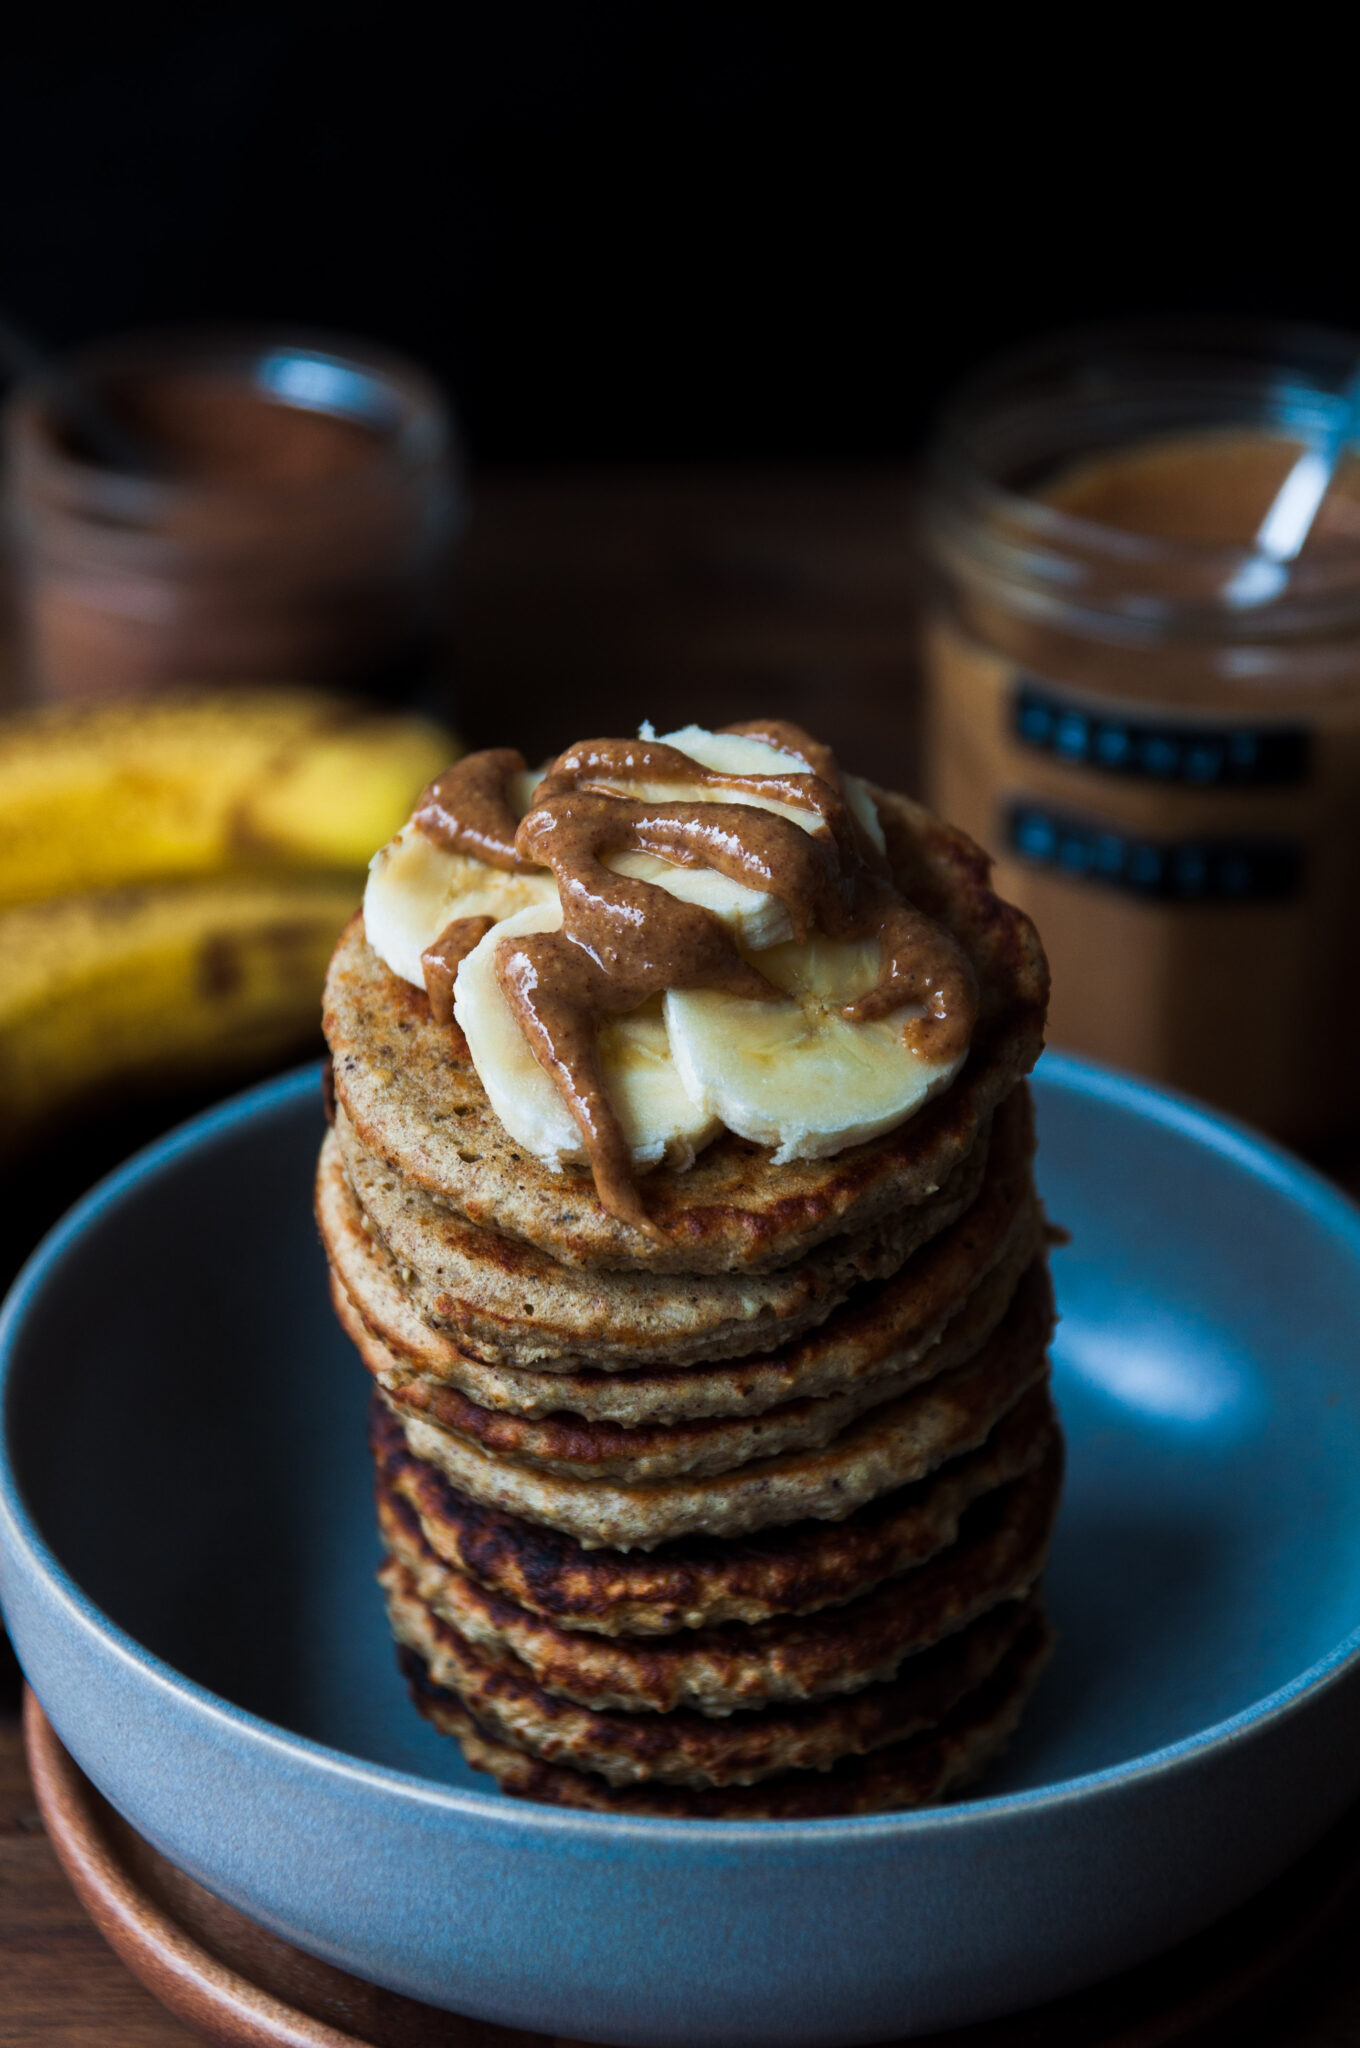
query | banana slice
[856, 793]
[659, 1119]
[734, 753]
[757, 919]
[415, 888]
[795, 1074]
[731, 754]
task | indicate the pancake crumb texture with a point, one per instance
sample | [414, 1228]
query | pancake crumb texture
[743, 1515]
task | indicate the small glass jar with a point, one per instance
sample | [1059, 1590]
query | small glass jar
[292, 521]
[1167, 773]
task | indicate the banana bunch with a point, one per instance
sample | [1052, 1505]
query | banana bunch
[173, 876]
[792, 1073]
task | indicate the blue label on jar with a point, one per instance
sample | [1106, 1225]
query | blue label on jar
[1238, 870]
[1159, 749]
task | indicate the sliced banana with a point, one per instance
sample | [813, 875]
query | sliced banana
[658, 1117]
[856, 793]
[793, 1073]
[416, 888]
[757, 918]
[729, 753]
[732, 753]
[735, 753]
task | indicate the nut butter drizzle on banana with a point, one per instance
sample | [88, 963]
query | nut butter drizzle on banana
[624, 940]
[464, 810]
[440, 962]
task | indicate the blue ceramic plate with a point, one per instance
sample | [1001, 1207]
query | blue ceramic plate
[188, 1549]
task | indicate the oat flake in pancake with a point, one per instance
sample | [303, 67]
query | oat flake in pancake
[914, 1773]
[573, 1448]
[685, 1748]
[900, 1319]
[890, 1447]
[999, 1555]
[505, 1301]
[701, 1581]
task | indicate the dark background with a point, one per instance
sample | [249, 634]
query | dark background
[658, 232]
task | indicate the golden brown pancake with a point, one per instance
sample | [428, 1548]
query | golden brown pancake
[684, 1748]
[575, 1448]
[880, 1330]
[917, 1772]
[894, 1444]
[701, 1582]
[413, 1098]
[1000, 1553]
[506, 1302]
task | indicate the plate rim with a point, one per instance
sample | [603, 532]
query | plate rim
[1255, 1154]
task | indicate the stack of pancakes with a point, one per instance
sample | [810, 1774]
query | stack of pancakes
[745, 1520]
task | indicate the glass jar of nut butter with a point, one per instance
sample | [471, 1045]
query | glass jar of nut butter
[283, 510]
[1167, 771]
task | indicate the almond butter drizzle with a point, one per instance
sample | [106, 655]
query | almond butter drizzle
[465, 810]
[440, 962]
[623, 941]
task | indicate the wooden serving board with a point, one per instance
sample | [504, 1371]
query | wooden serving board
[242, 1987]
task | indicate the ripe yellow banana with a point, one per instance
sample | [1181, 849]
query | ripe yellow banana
[104, 796]
[161, 984]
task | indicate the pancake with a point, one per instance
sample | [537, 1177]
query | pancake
[701, 1582]
[575, 1448]
[894, 1444]
[877, 1331]
[505, 1302]
[684, 1748]
[905, 1774]
[1000, 1553]
[413, 1098]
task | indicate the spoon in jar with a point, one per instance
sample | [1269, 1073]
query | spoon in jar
[1289, 521]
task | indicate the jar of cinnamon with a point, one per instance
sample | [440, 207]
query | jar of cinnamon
[287, 517]
[1167, 774]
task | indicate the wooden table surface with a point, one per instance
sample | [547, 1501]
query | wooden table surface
[586, 603]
